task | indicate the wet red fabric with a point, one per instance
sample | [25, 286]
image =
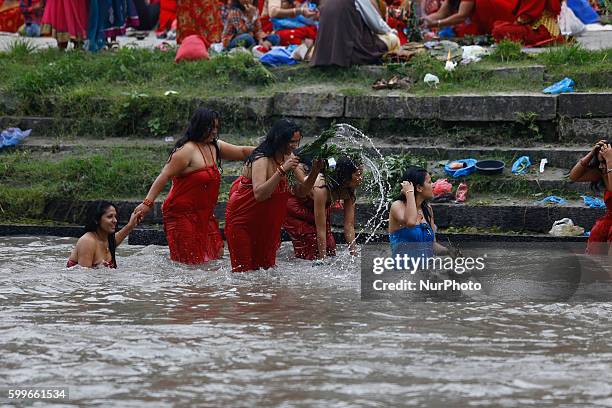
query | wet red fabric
[191, 228]
[601, 233]
[253, 228]
[301, 227]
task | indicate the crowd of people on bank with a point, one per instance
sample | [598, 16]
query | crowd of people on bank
[335, 32]
[262, 202]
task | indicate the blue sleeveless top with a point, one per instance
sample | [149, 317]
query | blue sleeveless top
[420, 239]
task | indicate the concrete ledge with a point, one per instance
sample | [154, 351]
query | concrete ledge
[315, 105]
[496, 107]
[579, 105]
[392, 107]
[585, 130]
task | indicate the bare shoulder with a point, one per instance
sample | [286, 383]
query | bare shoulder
[86, 241]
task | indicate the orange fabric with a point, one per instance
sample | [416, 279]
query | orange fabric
[253, 228]
[193, 48]
[201, 17]
[191, 228]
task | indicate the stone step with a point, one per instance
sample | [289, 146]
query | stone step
[155, 235]
[490, 212]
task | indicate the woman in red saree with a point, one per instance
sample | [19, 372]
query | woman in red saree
[257, 204]
[194, 166]
[308, 220]
[66, 21]
[596, 167]
[199, 17]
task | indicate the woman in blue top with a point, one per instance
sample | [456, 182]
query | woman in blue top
[411, 220]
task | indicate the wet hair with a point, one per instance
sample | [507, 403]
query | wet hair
[94, 214]
[416, 175]
[594, 164]
[277, 139]
[201, 125]
[345, 167]
[236, 4]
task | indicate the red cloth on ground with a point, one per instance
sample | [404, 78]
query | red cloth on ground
[167, 14]
[295, 36]
[484, 16]
[66, 19]
[201, 17]
[193, 48]
[398, 25]
[531, 10]
[253, 228]
[522, 33]
[266, 24]
[191, 228]
[301, 227]
[11, 17]
[601, 233]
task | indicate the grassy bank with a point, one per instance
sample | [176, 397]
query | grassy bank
[125, 93]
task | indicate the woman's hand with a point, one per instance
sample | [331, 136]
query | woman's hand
[407, 188]
[428, 22]
[250, 10]
[308, 12]
[598, 145]
[135, 219]
[606, 152]
[291, 163]
[141, 210]
[318, 165]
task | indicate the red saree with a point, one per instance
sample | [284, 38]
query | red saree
[167, 14]
[10, 16]
[253, 228]
[200, 17]
[191, 228]
[301, 227]
[601, 233]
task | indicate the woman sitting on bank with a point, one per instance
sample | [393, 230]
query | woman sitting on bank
[243, 27]
[257, 203]
[411, 220]
[352, 32]
[194, 167]
[471, 17]
[596, 167]
[278, 14]
[97, 246]
[308, 218]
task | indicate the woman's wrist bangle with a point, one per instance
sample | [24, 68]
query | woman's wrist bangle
[282, 171]
[147, 202]
[609, 171]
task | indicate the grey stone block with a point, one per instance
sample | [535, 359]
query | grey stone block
[585, 130]
[392, 107]
[496, 107]
[532, 73]
[321, 105]
[579, 105]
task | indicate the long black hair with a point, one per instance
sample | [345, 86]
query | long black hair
[278, 138]
[201, 125]
[345, 167]
[94, 214]
[416, 175]
[594, 164]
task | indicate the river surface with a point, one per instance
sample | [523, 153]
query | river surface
[153, 333]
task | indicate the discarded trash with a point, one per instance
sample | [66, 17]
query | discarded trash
[168, 139]
[569, 24]
[13, 136]
[566, 85]
[566, 228]
[593, 202]
[520, 166]
[450, 66]
[543, 163]
[583, 10]
[554, 200]
[168, 93]
[469, 166]
[461, 194]
[473, 53]
[441, 187]
[431, 80]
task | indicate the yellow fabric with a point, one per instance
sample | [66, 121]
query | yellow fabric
[550, 22]
[391, 40]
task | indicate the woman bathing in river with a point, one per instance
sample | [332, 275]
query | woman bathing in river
[596, 167]
[97, 246]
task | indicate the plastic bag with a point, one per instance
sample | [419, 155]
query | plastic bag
[279, 56]
[13, 136]
[431, 80]
[569, 24]
[593, 202]
[468, 168]
[441, 187]
[583, 10]
[521, 165]
[566, 85]
[565, 228]
[554, 200]
[473, 53]
[461, 194]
